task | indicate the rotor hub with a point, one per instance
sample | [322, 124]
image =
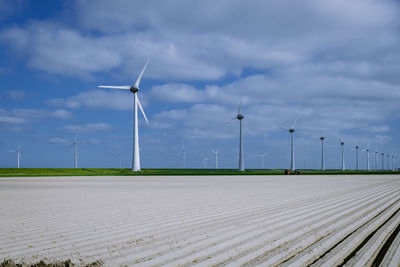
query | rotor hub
[134, 89]
[291, 130]
[322, 138]
[240, 117]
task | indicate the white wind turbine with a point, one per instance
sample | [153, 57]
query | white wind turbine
[262, 156]
[376, 159]
[342, 148]
[18, 150]
[388, 156]
[216, 157]
[240, 117]
[356, 147]
[136, 103]
[322, 153]
[183, 156]
[291, 131]
[383, 161]
[75, 143]
[367, 150]
[204, 161]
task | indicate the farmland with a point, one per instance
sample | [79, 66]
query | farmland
[202, 220]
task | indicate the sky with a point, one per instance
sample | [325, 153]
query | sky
[332, 65]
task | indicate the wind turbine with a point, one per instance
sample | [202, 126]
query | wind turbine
[322, 153]
[136, 102]
[183, 156]
[18, 155]
[216, 157]
[356, 147]
[261, 156]
[204, 161]
[383, 157]
[388, 156]
[291, 131]
[367, 150]
[75, 143]
[392, 163]
[342, 148]
[240, 117]
[376, 159]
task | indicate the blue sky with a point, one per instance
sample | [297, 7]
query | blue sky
[334, 65]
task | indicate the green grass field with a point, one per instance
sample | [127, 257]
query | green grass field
[23, 172]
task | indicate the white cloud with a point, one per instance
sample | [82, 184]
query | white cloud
[87, 128]
[176, 93]
[96, 99]
[23, 116]
[16, 94]
[59, 140]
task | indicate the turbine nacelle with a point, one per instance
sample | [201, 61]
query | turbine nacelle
[291, 130]
[239, 116]
[322, 138]
[134, 89]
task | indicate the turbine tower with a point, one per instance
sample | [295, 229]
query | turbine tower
[376, 160]
[75, 143]
[392, 163]
[183, 156]
[261, 156]
[291, 131]
[240, 117]
[342, 147]
[367, 150]
[387, 163]
[204, 161]
[322, 153]
[136, 103]
[383, 157]
[356, 147]
[216, 157]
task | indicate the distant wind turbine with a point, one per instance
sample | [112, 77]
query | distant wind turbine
[183, 156]
[342, 148]
[18, 151]
[376, 159]
[392, 163]
[291, 131]
[136, 103]
[367, 150]
[383, 157]
[356, 147]
[216, 157]
[75, 143]
[240, 117]
[204, 161]
[261, 156]
[322, 153]
[387, 163]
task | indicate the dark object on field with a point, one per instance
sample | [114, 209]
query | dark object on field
[297, 173]
[287, 171]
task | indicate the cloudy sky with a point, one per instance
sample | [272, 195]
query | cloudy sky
[334, 65]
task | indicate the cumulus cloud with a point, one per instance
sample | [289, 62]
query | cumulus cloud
[23, 116]
[87, 128]
[176, 93]
[96, 99]
[16, 94]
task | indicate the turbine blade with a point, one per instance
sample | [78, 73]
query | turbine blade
[125, 87]
[234, 118]
[285, 128]
[294, 123]
[141, 74]
[240, 106]
[141, 109]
